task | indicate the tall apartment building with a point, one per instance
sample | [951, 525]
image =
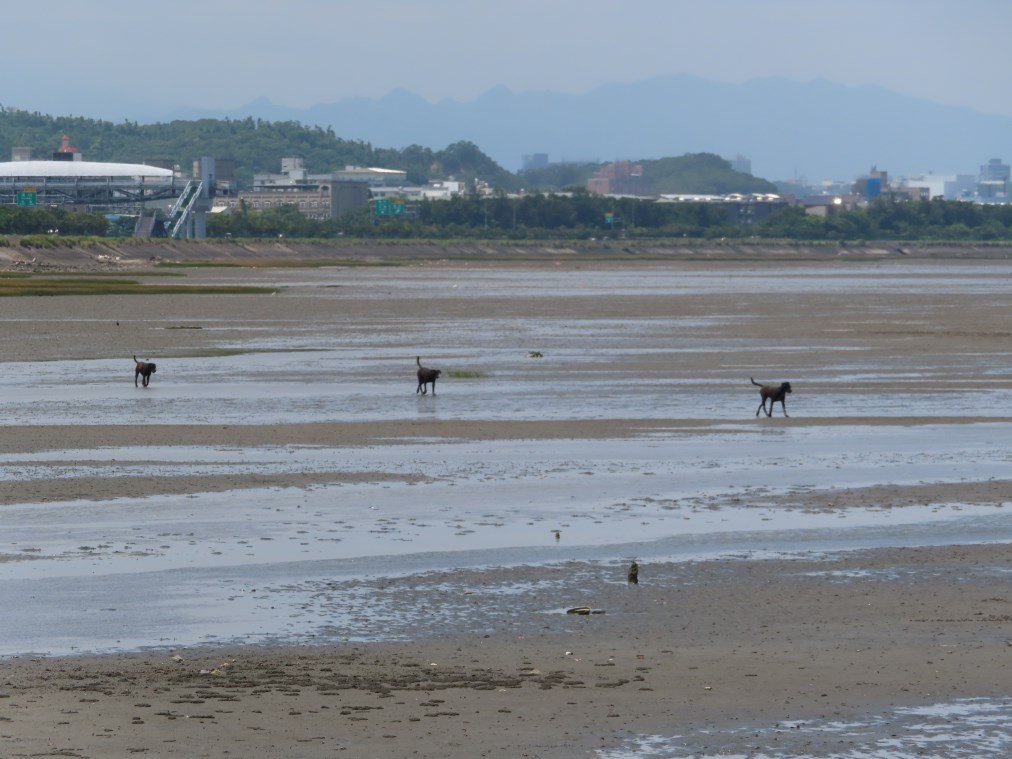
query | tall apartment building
[534, 161]
[619, 178]
[741, 164]
[992, 182]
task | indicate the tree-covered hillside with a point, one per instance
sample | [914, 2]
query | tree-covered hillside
[557, 176]
[700, 173]
[695, 173]
[256, 146]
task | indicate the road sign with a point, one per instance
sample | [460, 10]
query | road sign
[28, 197]
[388, 207]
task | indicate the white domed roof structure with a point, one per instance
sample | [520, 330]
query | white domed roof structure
[80, 169]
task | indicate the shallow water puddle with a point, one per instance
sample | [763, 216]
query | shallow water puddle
[840, 456]
[186, 564]
[206, 585]
[467, 496]
[576, 380]
[975, 727]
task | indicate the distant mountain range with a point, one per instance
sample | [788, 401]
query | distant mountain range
[818, 129]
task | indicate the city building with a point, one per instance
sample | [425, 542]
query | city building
[960, 186]
[223, 175]
[66, 180]
[294, 175]
[873, 185]
[933, 183]
[374, 176]
[619, 178]
[322, 200]
[741, 164]
[825, 205]
[432, 190]
[336, 193]
[316, 196]
[743, 210]
[534, 161]
[992, 181]
[66, 151]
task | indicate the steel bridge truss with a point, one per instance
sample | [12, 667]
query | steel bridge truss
[91, 193]
[115, 194]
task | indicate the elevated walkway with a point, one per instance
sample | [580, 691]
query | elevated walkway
[182, 215]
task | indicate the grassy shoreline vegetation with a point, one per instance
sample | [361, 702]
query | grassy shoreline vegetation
[127, 257]
[316, 251]
[269, 263]
[14, 284]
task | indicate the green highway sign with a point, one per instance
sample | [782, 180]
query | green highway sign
[28, 197]
[388, 207]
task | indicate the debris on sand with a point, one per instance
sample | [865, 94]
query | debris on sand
[584, 611]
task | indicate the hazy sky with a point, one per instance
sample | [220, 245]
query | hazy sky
[104, 59]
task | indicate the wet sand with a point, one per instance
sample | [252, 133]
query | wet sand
[359, 569]
[721, 645]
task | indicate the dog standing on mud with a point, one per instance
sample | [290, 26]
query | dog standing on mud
[144, 370]
[774, 393]
[425, 376]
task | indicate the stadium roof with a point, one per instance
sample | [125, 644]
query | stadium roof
[79, 169]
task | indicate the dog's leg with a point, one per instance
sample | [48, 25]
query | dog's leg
[762, 406]
[433, 387]
[783, 403]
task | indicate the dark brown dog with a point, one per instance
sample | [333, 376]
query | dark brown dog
[425, 376]
[774, 393]
[144, 370]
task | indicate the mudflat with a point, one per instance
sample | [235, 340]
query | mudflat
[279, 548]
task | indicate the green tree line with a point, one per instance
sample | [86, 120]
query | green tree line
[581, 216]
[576, 216]
[30, 221]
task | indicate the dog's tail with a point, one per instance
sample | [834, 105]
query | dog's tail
[754, 382]
[135, 358]
[418, 360]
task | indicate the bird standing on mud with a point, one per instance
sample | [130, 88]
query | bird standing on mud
[633, 576]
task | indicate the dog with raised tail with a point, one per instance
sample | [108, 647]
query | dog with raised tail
[774, 393]
[425, 376]
[144, 370]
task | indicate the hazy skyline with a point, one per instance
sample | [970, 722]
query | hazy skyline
[134, 60]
